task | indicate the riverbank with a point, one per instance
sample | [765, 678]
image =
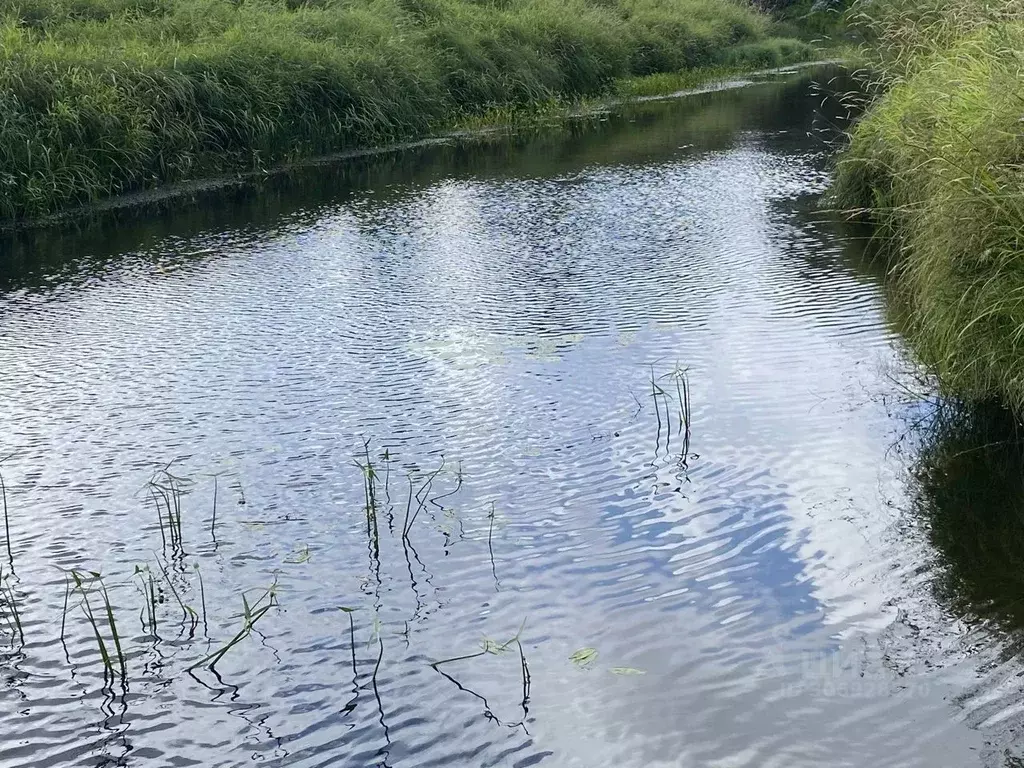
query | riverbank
[492, 125]
[110, 97]
[936, 163]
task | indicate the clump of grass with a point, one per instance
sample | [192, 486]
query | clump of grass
[369, 473]
[102, 97]
[765, 54]
[682, 387]
[936, 162]
[84, 585]
[167, 490]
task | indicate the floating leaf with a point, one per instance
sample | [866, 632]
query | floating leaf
[627, 671]
[375, 634]
[493, 647]
[584, 657]
[299, 556]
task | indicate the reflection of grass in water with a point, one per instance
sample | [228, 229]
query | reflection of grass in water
[9, 603]
[490, 545]
[251, 614]
[422, 496]
[490, 647]
[970, 490]
[188, 613]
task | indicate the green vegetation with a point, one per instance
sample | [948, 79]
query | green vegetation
[101, 97]
[937, 163]
[819, 20]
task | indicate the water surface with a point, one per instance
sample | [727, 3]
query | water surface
[503, 323]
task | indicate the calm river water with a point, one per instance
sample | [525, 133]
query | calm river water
[514, 332]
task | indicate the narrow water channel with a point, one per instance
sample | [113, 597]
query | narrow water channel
[596, 445]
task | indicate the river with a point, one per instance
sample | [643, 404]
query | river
[592, 445]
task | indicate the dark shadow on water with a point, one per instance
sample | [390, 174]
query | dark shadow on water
[970, 496]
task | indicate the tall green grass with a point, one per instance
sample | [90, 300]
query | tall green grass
[100, 97]
[938, 161]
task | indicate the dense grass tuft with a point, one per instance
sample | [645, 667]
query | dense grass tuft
[937, 162]
[100, 97]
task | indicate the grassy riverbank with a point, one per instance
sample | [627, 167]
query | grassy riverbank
[102, 97]
[937, 162]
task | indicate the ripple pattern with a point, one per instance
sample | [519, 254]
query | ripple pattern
[505, 312]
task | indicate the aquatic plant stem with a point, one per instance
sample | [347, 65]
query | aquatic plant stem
[7, 522]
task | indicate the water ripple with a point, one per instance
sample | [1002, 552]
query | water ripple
[495, 313]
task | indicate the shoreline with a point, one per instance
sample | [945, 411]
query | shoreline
[714, 80]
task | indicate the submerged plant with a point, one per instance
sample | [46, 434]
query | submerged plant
[299, 556]
[251, 614]
[584, 657]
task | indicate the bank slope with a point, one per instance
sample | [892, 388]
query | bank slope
[101, 97]
[938, 161]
